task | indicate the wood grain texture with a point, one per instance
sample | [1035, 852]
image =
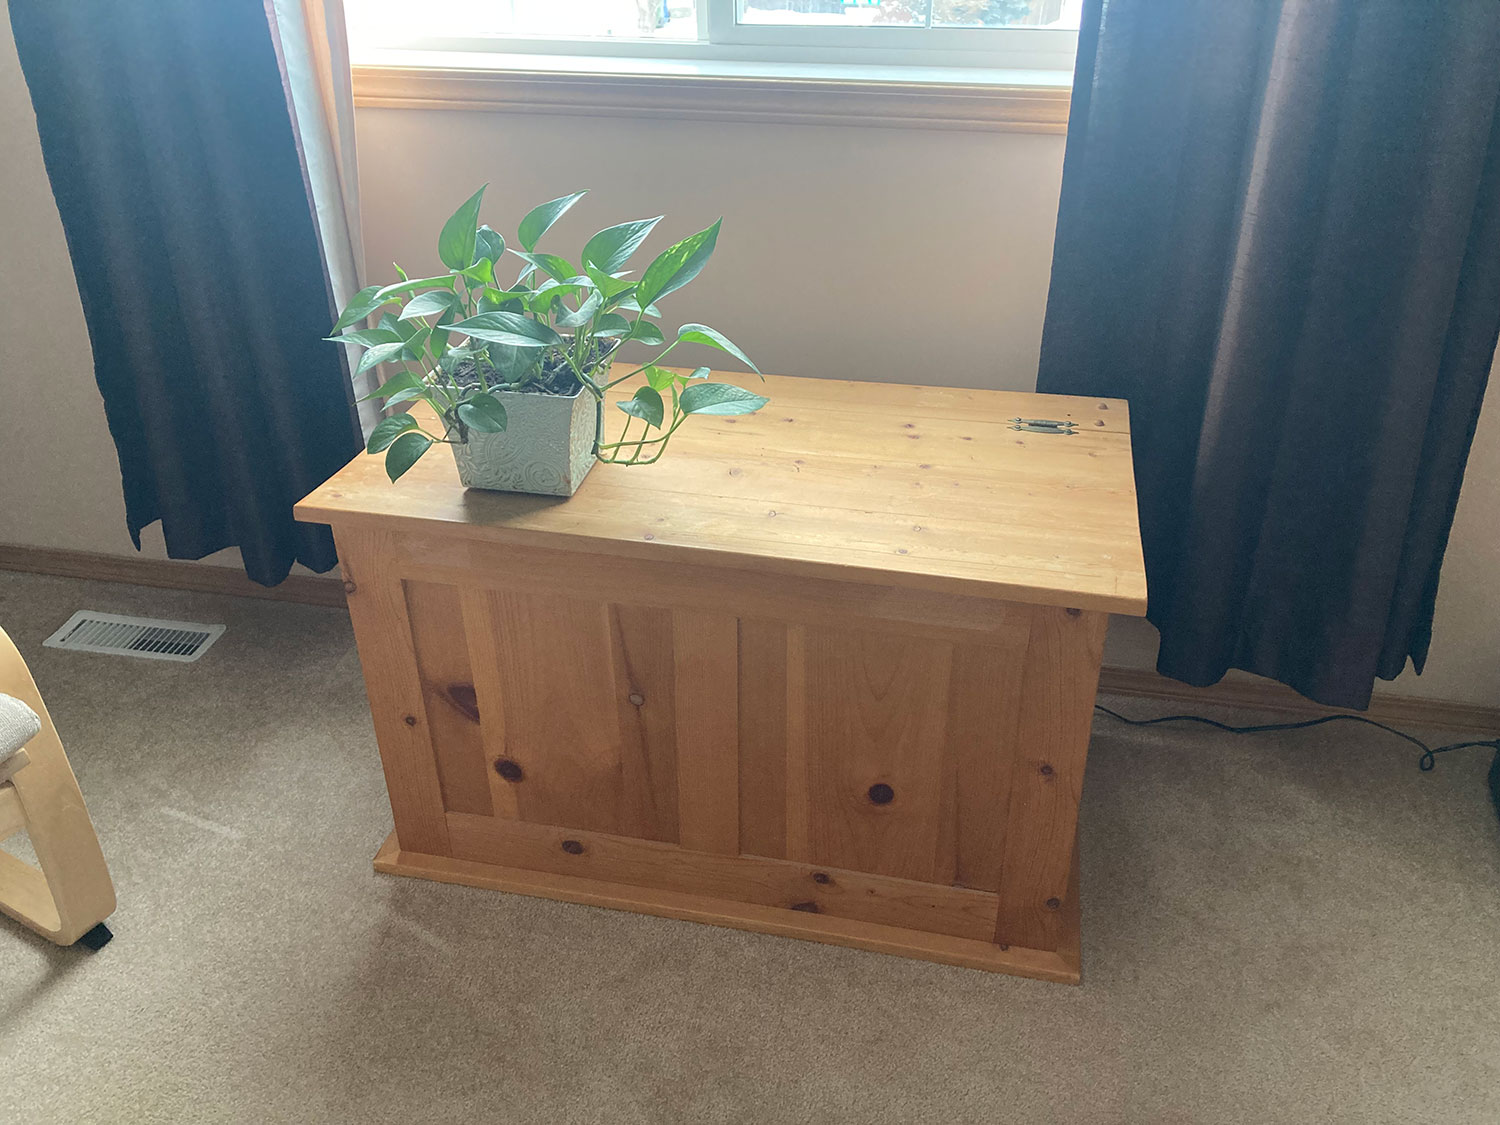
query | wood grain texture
[805, 888]
[705, 651]
[1061, 674]
[905, 487]
[876, 711]
[808, 673]
[387, 653]
[450, 702]
[827, 928]
[763, 737]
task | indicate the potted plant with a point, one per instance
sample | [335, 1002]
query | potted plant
[517, 373]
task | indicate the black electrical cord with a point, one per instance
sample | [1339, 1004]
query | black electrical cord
[1425, 762]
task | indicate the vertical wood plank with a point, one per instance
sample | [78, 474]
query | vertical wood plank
[561, 730]
[798, 828]
[876, 717]
[387, 654]
[449, 699]
[1037, 906]
[645, 694]
[484, 661]
[984, 713]
[763, 737]
[705, 650]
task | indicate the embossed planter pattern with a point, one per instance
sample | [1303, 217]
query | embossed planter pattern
[547, 447]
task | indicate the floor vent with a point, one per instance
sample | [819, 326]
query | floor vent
[87, 631]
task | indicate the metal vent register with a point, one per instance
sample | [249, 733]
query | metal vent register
[88, 631]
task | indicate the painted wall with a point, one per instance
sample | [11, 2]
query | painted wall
[860, 253]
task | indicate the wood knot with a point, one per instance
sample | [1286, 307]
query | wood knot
[509, 770]
[637, 699]
[572, 847]
[1045, 770]
[409, 720]
[806, 907]
[1054, 904]
[463, 697]
[1074, 612]
[349, 587]
[881, 794]
[822, 878]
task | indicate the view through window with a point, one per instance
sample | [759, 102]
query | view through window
[679, 20]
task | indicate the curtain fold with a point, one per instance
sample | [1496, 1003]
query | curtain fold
[1279, 238]
[172, 158]
[312, 48]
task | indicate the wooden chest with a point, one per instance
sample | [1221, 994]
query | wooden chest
[826, 671]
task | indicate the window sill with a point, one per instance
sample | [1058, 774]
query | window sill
[698, 90]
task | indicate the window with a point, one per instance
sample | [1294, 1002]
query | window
[990, 34]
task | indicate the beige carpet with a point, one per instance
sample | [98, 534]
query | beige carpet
[1288, 928]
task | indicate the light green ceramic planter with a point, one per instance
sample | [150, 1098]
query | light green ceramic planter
[547, 447]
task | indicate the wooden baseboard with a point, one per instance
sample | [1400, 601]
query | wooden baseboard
[170, 575]
[1260, 695]
[1267, 695]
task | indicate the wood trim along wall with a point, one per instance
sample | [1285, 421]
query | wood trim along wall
[170, 575]
[1256, 695]
[795, 101]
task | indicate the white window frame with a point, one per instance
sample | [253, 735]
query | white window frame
[721, 39]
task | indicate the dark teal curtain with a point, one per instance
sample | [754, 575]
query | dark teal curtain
[1279, 238]
[168, 142]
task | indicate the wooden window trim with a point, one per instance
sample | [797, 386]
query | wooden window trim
[979, 107]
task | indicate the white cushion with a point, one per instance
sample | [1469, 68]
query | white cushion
[18, 725]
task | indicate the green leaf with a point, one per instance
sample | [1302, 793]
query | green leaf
[611, 325]
[508, 328]
[611, 248]
[482, 272]
[388, 430]
[410, 286]
[361, 305]
[366, 337]
[488, 245]
[646, 405]
[720, 398]
[559, 268]
[404, 452]
[631, 305]
[611, 287]
[437, 339]
[540, 218]
[677, 265]
[585, 312]
[380, 353]
[415, 343]
[404, 382]
[508, 300]
[699, 373]
[425, 304]
[456, 242]
[483, 412]
[703, 334]
[549, 293]
[647, 333]
[658, 378]
[401, 273]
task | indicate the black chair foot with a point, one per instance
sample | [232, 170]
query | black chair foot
[96, 939]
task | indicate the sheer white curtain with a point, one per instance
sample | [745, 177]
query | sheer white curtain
[313, 48]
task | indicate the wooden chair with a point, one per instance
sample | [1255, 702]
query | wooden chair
[67, 896]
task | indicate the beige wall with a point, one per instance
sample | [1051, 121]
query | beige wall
[859, 253]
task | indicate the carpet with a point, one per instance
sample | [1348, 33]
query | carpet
[1283, 928]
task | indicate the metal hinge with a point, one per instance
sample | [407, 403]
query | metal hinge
[1043, 426]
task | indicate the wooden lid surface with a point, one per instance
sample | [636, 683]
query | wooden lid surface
[928, 487]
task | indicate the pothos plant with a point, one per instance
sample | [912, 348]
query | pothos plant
[461, 337]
